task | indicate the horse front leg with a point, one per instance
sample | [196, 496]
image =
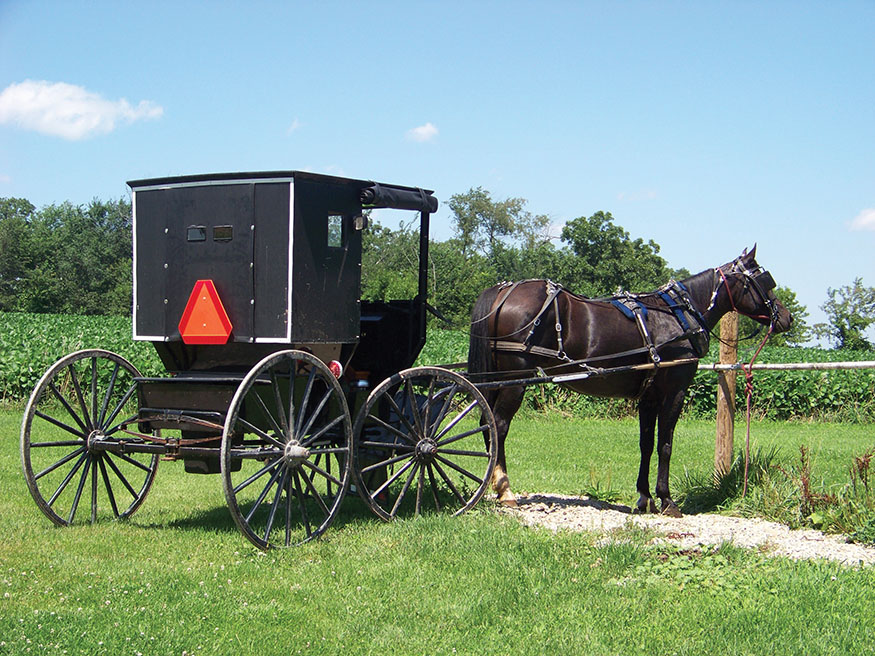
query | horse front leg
[647, 427]
[504, 405]
[668, 419]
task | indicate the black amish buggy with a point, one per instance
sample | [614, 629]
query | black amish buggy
[280, 379]
[286, 384]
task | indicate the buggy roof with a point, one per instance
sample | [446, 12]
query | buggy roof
[373, 194]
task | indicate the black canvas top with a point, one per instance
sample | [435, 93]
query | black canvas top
[373, 194]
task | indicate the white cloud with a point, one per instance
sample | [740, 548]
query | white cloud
[865, 220]
[423, 133]
[296, 124]
[68, 111]
[637, 196]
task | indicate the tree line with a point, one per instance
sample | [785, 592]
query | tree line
[76, 259]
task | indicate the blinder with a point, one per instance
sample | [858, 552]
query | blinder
[764, 279]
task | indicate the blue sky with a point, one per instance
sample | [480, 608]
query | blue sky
[705, 126]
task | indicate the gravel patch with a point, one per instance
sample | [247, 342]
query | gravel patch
[559, 512]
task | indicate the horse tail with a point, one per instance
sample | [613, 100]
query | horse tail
[479, 354]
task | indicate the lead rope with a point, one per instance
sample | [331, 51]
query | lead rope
[748, 390]
[748, 380]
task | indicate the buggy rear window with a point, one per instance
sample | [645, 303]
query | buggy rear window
[196, 233]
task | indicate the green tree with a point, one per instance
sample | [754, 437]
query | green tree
[608, 259]
[484, 225]
[850, 310]
[16, 259]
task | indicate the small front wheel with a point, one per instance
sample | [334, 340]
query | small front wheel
[286, 450]
[427, 439]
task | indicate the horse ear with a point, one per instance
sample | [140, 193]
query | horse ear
[753, 252]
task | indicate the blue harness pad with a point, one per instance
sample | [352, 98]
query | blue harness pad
[626, 310]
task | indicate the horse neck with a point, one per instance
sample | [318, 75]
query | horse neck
[701, 288]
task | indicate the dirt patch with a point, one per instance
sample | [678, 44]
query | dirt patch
[559, 512]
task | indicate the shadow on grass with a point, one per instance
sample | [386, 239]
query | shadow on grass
[218, 518]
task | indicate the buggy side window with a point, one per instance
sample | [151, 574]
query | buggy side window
[335, 231]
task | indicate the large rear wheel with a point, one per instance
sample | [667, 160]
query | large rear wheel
[79, 461]
[286, 450]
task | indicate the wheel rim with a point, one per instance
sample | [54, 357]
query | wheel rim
[426, 442]
[286, 456]
[75, 450]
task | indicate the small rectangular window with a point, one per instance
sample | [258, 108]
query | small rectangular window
[196, 233]
[335, 231]
[223, 233]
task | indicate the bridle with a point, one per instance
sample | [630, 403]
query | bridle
[759, 279]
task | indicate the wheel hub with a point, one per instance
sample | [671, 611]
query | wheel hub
[426, 450]
[93, 438]
[294, 454]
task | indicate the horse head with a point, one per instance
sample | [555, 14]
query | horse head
[751, 291]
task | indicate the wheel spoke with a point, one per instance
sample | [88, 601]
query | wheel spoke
[315, 494]
[327, 427]
[67, 479]
[302, 504]
[389, 427]
[324, 474]
[108, 487]
[60, 463]
[94, 489]
[252, 428]
[79, 489]
[461, 470]
[75, 380]
[449, 483]
[462, 436]
[315, 414]
[455, 420]
[404, 490]
[274, 383]
[131, 461]
[445, 407]
[67, 406]
[404, 420]
[38, 445]
[433, 485]
[387, 462]
[267, 414]
[109, 390]
[460, 452]
[94, 391]
[261, 472]
[394, 477]
[276, 502]
[305, 399]
[118, 409]
[120, 476]
[263, 495]
[59, 424]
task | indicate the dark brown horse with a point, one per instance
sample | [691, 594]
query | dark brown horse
[651, 342]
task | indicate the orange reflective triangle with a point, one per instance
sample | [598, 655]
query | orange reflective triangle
[204, 320]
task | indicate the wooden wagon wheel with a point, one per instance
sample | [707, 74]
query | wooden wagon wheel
[286, 450]
[427, 440]
[81, 405]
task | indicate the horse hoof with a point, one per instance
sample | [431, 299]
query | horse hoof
[644, 506]
[670, 509]
[509, 503]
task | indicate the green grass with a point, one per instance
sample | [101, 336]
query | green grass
[178, 577]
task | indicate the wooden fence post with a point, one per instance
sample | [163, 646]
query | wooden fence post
[726, 394]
